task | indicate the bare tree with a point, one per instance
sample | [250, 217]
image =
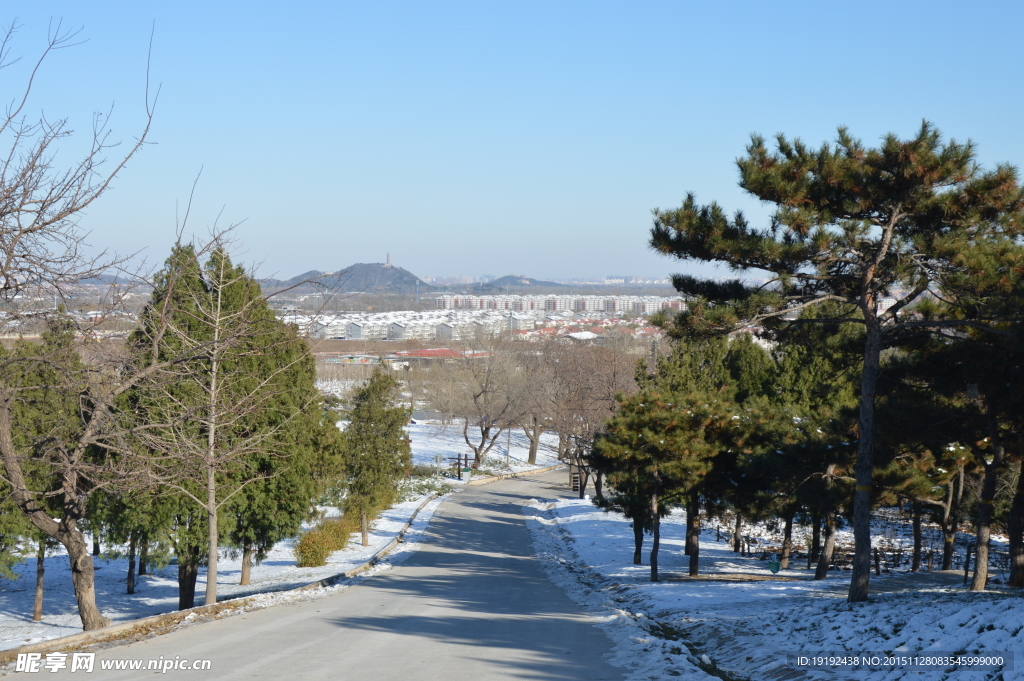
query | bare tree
[42, 249]
[584, 385]
[537, 402]
[482, 390]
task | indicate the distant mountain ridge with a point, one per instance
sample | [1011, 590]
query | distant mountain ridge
[361, 277]
[513, 282]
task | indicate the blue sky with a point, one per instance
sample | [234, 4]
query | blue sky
[483, 137]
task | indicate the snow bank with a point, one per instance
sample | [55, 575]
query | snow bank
[739, 619]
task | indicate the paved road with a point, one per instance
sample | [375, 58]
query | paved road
[474, 603]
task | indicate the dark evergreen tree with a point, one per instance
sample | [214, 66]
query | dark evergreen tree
[274, 508]
[376, 447]
[12, 527]
[132, 519]
[969, 390]
[658, 448]
[813, 398]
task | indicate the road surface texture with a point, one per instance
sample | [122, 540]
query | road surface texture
[473, 603]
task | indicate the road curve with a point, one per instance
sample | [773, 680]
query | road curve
[473, 603]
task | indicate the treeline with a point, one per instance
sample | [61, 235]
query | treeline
[561, 387]
[768, 430]
[894, 371]
[204, 431]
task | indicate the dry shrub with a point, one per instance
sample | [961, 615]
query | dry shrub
[339, 530]
[329, 535]
[313, 548]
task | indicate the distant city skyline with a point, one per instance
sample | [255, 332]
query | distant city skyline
[613, 279]
[466, 138]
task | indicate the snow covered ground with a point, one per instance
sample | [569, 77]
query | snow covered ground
[739, 622]
[431, 440]
[158, 592]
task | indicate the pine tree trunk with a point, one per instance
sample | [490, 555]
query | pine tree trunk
[948, 549]
[915, 561]
[655, 537]
[599, 487]
[364, 528]
[132, 540]
[638, 542]
[860, 577]
[736, 534]
[693, 532]
[689, 529]
[988, 494]
[1016, 531]
[812, 555]
[143, 553]
[953, 523]
[825, 559]
[95, 545]
[246, 563]
[787, 542]
[188, 573]
[37, 609]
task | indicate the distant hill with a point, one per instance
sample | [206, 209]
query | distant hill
[516, 283]
[108, 279]
[361, 277]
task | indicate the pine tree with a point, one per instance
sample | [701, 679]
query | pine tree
[968, 390]
[852, 225]
[376, 448]
[985, 295]
[657, 450]
[627, 497]
[812, 398]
